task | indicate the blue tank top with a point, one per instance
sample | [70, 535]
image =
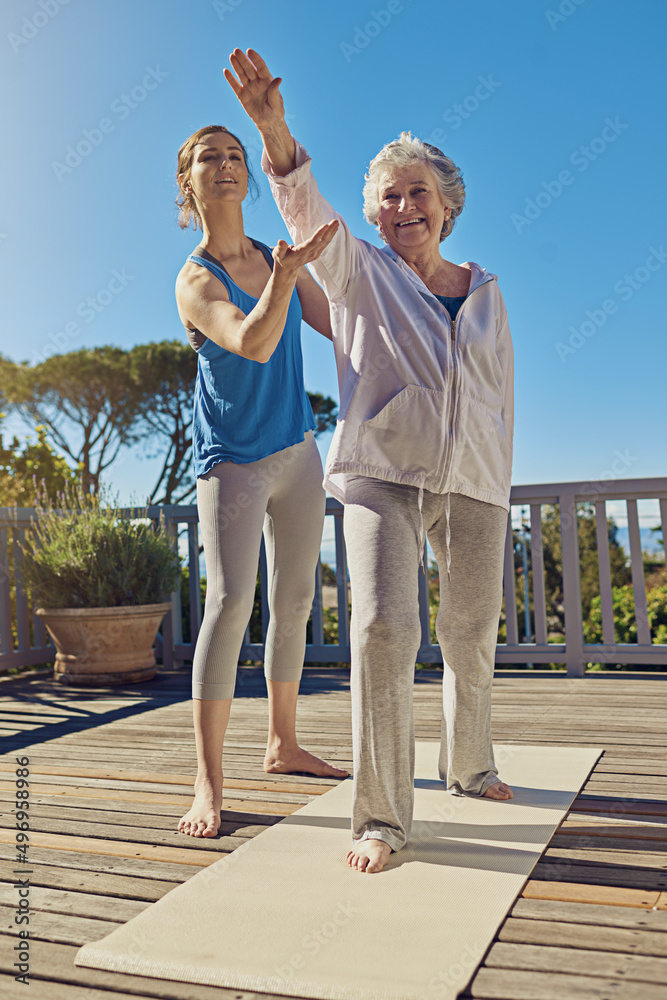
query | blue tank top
[245, 410]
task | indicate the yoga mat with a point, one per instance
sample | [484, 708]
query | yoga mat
[284, 914]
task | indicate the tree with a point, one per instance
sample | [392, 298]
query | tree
[92, 402]
[86, 401]
[325, 412]
[7, 374]
[164, 375]
[31, 470]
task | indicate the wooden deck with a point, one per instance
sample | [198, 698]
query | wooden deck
[111, 772]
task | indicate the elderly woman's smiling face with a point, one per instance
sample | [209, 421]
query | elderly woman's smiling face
[412, 211]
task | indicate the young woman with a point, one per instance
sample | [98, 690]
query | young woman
[256, 461]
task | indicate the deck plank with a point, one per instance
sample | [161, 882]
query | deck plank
[215, 850]
[637, 968]
[635, 941]
[315, 786]
[581, 913]
[618, 875]
[577, 892]
[160, 805]
[47, 926]
[144, 829]
[131, 878]
[518, 984]
[79, 904]
[130, 792]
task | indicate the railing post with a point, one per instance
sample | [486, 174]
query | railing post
[172, 629]
[317, 610]
[265, 584]
[424, 603]
[6, 642]
[574, 628]
[604, 573]
[341, 584]
[21, 597]
[195, 586]
[509, 586]
[537, 559]
[638, 585]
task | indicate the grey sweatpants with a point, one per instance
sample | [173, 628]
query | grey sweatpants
[283, 496]
[382, 536]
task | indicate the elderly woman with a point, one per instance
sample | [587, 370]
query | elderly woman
[423, 445]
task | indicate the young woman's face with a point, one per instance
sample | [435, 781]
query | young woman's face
[218, 170]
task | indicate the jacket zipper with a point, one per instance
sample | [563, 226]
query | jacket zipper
[455, 368]
[452, 405]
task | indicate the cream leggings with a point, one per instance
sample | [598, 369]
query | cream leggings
[382, 533]
[281, 495]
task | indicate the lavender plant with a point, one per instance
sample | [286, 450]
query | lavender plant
[82, 553]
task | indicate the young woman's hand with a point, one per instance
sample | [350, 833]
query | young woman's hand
[257, 90]
[290, 258]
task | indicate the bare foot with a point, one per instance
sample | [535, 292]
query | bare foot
[203, 817]
[285, 761]
[369, 856]
[499, 790]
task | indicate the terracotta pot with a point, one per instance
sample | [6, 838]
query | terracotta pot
[100, 646]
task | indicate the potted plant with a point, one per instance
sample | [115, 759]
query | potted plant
[101, 579]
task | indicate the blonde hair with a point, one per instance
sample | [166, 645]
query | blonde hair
[402, 152]
[187, 205]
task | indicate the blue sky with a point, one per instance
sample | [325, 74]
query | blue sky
[553, 110]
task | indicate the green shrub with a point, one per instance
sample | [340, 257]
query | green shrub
[86, 555]
[625, 624]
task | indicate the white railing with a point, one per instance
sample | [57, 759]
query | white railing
[23, 639]
[574, 652]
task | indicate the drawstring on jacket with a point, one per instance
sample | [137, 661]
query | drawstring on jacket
[422, 533]
[448, 538]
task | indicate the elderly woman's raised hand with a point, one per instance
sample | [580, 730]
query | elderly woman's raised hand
[257, 90]
[291, 258]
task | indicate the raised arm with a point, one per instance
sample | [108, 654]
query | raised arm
[287, 166]
[259, 93]
[203, 300]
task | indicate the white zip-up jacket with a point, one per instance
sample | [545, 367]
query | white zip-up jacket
[423, 401]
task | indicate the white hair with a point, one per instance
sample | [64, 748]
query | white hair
[402, 152]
